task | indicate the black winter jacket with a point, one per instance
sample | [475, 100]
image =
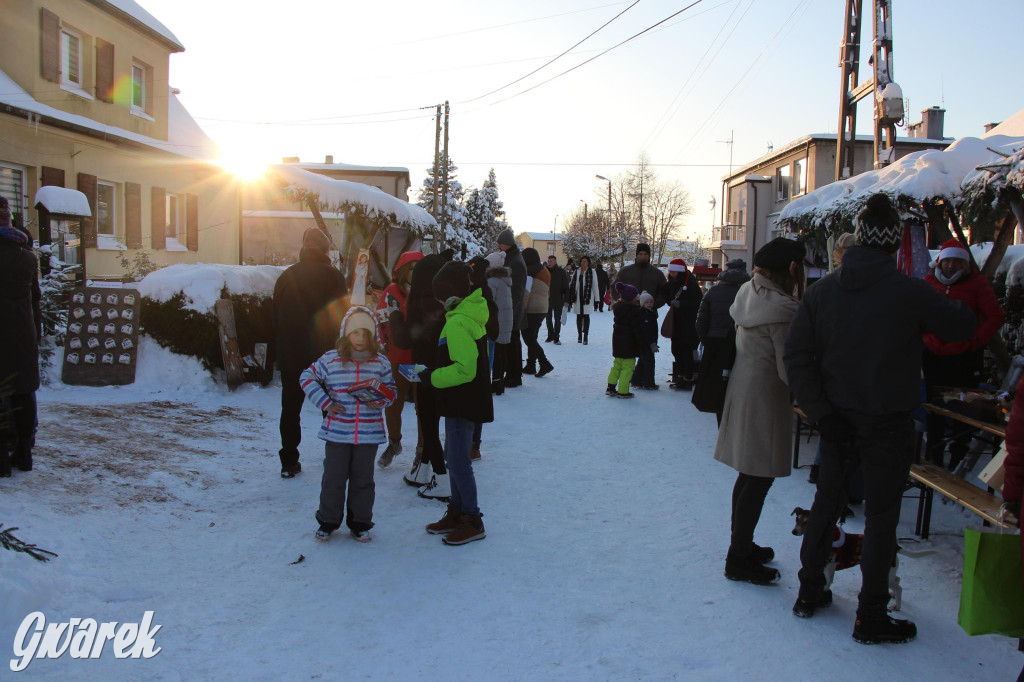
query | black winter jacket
[559, 287]
[627, 330]
[19, 317]
[302, 291]
[515, 263]
[420, 327]
[713, 318]
[855, 342]
[645, 278]
[684, 333]
[648, 326]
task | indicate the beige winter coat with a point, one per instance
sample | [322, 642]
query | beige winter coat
[756, 435]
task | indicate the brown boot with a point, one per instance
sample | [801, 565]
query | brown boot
[470, 528]
[474, 452]
[447, 523]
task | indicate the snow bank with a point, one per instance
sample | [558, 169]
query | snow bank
[922, 175]
[335, 194]
[202, 283]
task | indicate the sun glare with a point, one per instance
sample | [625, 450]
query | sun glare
[244, 167]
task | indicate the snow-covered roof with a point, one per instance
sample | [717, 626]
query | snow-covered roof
[63, 201]
[343, 195]
[544, 236]
[184, 136]
[134, 11]
[919, 176]
[351, 167]
[1013, 126]
[291, 215]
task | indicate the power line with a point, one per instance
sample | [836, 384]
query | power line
[552, 61]
[633, 37]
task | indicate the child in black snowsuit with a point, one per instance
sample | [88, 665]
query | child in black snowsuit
[644, 376]
[626, 340]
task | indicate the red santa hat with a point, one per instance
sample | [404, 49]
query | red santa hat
[951, 249]
[677, 265]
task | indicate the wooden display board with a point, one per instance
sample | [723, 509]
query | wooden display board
[101, 347]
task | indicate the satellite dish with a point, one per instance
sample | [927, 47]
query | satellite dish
[713, 201]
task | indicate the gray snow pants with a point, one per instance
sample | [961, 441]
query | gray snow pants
[351, 465]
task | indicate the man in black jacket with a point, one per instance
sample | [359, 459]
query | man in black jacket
[514, 262]
[644, 276]
[602, 285]
[307, 315]
[558, 290]
[853, 359]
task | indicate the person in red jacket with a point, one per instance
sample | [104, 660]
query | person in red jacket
[393, 299]
[959, 364]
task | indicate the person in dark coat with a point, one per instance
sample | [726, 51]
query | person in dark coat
[644, 276]
[559, 289]
[19, 343]
[419, 330]
[643, 377]
[602, 285]
[715, 326]
[627, 338]
[309, 303]
[868, 311]
[684, 295]
[514, 262]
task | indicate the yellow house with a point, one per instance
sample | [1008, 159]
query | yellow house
[546, 243]
[85, 104]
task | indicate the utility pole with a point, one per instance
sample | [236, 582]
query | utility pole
[444, 183]
[437, 162]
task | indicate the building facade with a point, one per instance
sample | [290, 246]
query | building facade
[546, 243]
[754, 195]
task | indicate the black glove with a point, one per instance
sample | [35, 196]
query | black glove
[424, 376]
[835, 428]
[674, 304]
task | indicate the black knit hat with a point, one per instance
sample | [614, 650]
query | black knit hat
[643, 247]
[779, 253]
[879, 225]
[452, 280]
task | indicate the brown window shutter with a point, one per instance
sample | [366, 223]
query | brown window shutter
[52, 176]
[87, 186]
[49, 37]
[133, 215]
[192, 222]
[104, 71]
[158, 218]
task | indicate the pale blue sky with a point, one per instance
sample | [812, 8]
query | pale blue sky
[313, 59]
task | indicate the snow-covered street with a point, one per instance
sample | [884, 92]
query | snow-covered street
[607, 526]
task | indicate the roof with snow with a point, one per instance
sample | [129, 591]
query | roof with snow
[350, 167]
[544, 236]
[184, 136]
[344, 196]
[915, 178]
[133, 13]
[62, 201]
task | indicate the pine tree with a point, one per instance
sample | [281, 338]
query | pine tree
[495, 209]
[450, 210]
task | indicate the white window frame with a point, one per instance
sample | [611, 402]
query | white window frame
[174, 230]
[784, 183]
[799, 182]
[65, 79]
[111, 207]
[139, 68]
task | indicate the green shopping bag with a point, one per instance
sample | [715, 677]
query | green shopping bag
[992, 597]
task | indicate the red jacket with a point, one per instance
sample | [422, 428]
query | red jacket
[393, 295]
[976, 292]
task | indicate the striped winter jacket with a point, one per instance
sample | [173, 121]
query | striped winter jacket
[327, 380]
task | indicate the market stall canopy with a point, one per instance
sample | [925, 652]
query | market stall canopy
[62, 201]
[914, 179]
[354, 198]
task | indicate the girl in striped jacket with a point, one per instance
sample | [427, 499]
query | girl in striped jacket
[352, 429]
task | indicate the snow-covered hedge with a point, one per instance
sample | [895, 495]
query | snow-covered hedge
[178, 308]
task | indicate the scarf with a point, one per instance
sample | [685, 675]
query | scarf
[949, 281]
[588, 291]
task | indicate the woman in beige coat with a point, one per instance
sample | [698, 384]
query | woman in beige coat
[756, 436]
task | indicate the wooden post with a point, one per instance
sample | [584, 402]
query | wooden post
[444, 183]
[229, 342]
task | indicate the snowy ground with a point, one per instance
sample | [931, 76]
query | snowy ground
[607, 527]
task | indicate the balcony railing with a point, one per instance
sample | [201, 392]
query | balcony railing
[729, 233]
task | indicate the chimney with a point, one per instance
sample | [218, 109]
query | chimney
[329, 160]
[933, 119]
[290, 159]
[990, 126]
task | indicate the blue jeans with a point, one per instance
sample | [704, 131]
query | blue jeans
[458, 439]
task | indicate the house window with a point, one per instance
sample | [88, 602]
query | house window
[70, 57]
[799, 176]
[172, 230]
[106, 208]
[12, 187]
[782, 183]
[138, 87]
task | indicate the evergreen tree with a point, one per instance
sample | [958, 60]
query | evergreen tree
[495, 209]
[450, 210]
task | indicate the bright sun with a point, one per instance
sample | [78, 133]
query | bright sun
[244, 166]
